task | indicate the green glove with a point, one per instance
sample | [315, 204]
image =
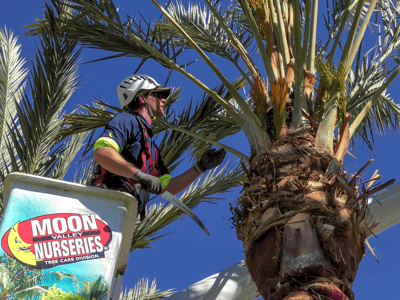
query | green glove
[210, 159]
[165, 179]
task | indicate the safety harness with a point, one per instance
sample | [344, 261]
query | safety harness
[129, 184]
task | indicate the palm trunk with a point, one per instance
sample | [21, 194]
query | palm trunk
[300, 221]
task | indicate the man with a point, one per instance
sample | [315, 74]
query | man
[126, 150]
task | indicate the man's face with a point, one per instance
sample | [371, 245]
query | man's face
[156, 102]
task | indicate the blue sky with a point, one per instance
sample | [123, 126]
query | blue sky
[188, 255]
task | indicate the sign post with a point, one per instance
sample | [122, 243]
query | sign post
[53, 226]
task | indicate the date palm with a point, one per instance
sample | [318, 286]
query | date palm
[302, 219]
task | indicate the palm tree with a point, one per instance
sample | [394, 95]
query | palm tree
[15, 278]
[19, 282]
[302, 219]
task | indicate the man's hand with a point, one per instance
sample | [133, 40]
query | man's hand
[150, 183]
[210, 159]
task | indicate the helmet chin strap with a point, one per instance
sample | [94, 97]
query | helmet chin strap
[150, 110]
[151, 115]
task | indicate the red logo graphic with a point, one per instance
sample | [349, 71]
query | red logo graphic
[47, 241]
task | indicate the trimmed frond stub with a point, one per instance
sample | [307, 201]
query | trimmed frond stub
[299, 200]
[279, 97]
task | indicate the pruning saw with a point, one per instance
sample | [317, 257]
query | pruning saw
[179, 204]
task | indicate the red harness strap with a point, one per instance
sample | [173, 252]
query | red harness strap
[146, 154]
[152, 169]
[99, 178]
[152, 164]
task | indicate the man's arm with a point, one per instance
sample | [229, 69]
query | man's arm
[181, 182]
[113, 162]
[209, 160]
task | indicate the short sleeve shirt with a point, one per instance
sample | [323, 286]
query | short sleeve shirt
[124, 129]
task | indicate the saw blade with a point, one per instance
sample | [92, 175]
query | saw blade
[182, 206]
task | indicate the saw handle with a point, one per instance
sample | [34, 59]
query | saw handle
[137, 187]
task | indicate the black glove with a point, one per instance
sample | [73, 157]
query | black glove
[210, 159]
[149, 183]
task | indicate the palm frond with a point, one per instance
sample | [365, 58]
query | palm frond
[206, 30]
[217, 181]
[20, 282]
[12, 76]
[371, 71]
[256, 136]
[98, 25]
[85, 171]
[66, 153]
[93, 289]
[54, 78]
[30, 293]
[97, 116]
[378, 111]
[142, 291]
[207, 119]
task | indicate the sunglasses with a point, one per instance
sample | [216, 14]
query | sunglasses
[158, 95]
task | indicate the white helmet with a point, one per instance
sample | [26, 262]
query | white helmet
[136, 85]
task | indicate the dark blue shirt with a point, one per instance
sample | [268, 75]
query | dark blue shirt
[125, 130]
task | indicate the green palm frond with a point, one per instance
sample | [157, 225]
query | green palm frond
[206, 30]
[99, 114]
[158, 216]
[54, 78]
[30, 293]
[31, 121]
[383, 114]
[66, 153]
[97, 117]
[99, 26]
[203, 28]
[85, 171]
[19, 282]
[12, 77]
[370, 73]
[207, 118]
[142, 291]
[94, 289]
